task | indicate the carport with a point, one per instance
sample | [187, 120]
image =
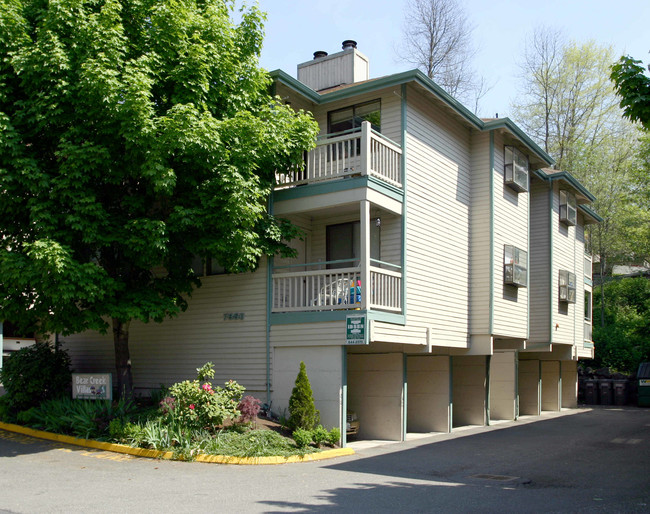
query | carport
[428, 406]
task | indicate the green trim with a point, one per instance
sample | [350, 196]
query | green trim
[387, 317]
[559, 386]
[269, 308]
[566, 176]
[590, 212]
[491, 274]
[539, 387]
[405, 389]
[508, 124]
[589, 282]
[550, 263]
[450, 421]
[336, 186]
[516, 385]
[403, 109]
[344, 402]
[528, 222]
[292, 318]
[426, 83]
[488, 361]
[587, 344]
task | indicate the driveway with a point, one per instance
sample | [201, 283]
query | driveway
[586, 460]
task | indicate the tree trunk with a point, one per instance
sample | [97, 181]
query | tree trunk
[122, 358]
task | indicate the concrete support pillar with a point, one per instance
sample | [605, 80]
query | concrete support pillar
[569, 384]
[428, 394]
[503, 385]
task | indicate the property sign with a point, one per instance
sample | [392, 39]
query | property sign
[355, 329]
[92, 386]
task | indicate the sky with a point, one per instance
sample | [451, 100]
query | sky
[296, 29]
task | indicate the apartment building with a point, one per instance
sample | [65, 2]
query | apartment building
[439, 282]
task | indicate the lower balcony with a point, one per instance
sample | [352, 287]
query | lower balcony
[325, 286]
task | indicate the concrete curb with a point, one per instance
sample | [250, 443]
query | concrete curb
[156, 454]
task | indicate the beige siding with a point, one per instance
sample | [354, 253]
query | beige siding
[296, 101]
[480, 235]
[539, 273]
[510, 228]
[438, 195]
[171, 351]
[564, 258]
[308, 334]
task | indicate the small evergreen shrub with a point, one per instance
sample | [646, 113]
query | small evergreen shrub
[302, 437]
[35, 374]
[302, 410]
[249, 408]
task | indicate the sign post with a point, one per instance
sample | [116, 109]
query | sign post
[92, 386]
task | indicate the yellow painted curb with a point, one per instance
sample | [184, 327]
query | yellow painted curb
[156, 454]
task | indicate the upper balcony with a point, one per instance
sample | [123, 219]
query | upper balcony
[356, 152]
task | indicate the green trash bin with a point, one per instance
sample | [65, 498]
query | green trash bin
[643, 380]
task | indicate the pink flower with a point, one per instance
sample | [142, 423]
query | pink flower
[207, 387]
[192, 406]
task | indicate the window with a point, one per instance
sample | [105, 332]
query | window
[568, 211]
[567, 287]
[587, 305]
[515, 266]
[343, 244]
[209, 266]
[352, 117]
[515, 169]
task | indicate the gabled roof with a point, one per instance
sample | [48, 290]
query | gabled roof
[419, 78]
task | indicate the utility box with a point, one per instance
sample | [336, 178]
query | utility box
[643, 381]
[620, 392]
[591, 392]
[606, 392]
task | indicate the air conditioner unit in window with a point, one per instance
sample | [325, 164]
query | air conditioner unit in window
[515, 169]
[568, 208]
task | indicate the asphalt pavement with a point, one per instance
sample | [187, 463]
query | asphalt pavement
[584, 460]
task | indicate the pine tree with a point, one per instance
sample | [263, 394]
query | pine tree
[302, 410]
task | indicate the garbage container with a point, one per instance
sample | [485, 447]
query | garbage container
[591, 392]
[605, 391]
[620, 392]
[643, 378]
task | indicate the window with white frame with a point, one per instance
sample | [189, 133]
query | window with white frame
[515, 266]
[587, 305]
[568, 207]
[515, 169]
[567, 286]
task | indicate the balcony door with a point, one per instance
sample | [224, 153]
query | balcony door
[343, 242]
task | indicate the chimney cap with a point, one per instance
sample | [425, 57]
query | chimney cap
[349, 43]
[319, 53]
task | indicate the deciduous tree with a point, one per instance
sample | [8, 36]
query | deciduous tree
[633, 88]
[437, 38]
[134, 135]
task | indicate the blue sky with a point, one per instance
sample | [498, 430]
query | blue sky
[295, 30]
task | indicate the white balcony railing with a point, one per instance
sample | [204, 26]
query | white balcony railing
[359, 152]
[333, 289]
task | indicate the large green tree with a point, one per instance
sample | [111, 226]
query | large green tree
[633, 88]
[134, 135]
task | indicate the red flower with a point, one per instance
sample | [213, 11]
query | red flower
[192, 406]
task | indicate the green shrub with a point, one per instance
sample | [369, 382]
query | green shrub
[198, 405]
[302, 437]
[80, 418]
[34, 374]
[320, 435]
[302, 410]
[334, 436]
